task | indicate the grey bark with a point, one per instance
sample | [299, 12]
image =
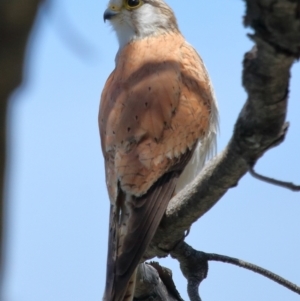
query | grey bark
[156, 283]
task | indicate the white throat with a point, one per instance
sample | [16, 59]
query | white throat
[125, 33]
[145, 21]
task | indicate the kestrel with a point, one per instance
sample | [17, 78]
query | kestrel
[158, 120]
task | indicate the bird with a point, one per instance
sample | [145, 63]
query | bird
[158, 120]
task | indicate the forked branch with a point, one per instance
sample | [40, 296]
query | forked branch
[260, 125]
[194, 266]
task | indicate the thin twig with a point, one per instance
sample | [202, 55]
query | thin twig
[272, 181]
[252, 267]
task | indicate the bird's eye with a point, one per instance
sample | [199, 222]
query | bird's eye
[132, 4]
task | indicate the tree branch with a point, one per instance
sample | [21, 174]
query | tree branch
[254, 268]
[260, 125]
[194, 266]
[272, 181]
[155, 283]
[16, 20]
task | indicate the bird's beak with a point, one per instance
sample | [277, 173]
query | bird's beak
[109, 13]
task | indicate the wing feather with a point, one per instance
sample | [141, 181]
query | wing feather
[146, 213]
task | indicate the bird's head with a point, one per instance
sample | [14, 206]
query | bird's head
[137, 19]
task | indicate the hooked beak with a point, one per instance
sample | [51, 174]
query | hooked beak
[109, 14]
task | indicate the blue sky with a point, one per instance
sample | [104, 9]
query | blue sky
[58, 205]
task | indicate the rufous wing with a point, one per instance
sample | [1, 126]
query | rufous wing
[144, 215]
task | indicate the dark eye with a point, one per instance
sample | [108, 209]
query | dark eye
[133, 3]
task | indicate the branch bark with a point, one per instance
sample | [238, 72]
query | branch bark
[155, 283]
[194, 266]
[16, 20]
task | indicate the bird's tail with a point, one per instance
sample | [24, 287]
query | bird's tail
[130, 288]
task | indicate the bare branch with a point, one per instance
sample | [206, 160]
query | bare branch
[16, 20]
[194, 266]
[260, 125]
[272, 181]
[155, 282]
[166, 276]
[254, 268]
